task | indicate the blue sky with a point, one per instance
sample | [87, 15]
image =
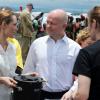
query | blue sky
[83, 5]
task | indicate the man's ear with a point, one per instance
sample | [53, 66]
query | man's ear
[65, 25]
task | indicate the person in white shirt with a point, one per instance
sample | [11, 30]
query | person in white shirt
[8, 63]
[53, 57]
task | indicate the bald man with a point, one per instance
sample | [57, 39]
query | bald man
[53, 57]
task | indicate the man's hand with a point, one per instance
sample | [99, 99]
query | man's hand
[32, 74]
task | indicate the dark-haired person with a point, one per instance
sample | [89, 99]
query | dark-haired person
[87, 65]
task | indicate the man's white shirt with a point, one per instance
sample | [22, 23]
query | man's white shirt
[53, 61]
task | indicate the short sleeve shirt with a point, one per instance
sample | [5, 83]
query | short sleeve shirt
[88, 64]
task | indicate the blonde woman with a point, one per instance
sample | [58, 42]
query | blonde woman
[7, 54]
[83, 38]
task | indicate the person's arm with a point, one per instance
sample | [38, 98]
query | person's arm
[18, 70]
[10, 82]
[83, 88]
[30, 64]
[19, 67]
[19, 55]
[69, 95]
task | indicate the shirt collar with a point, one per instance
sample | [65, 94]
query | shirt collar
[2, 50]
[64, 39]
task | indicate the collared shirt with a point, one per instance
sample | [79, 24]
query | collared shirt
[53, 61]
[7, 68]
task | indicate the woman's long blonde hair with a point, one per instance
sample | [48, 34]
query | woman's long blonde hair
[6, 16]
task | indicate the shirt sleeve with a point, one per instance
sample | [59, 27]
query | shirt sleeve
[83, 64]
[30, 61]
[19, 55]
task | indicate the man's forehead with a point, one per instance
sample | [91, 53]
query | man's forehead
[54, 17]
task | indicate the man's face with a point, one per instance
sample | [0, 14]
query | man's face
[30, 8]
[54, 26]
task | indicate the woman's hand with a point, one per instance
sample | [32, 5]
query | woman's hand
[67, 95]
[70, 95]
[10, 82]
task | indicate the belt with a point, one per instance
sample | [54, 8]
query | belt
[51, 95]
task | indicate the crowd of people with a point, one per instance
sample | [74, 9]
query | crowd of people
[63, 53]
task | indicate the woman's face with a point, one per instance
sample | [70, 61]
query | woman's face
[11, 27]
